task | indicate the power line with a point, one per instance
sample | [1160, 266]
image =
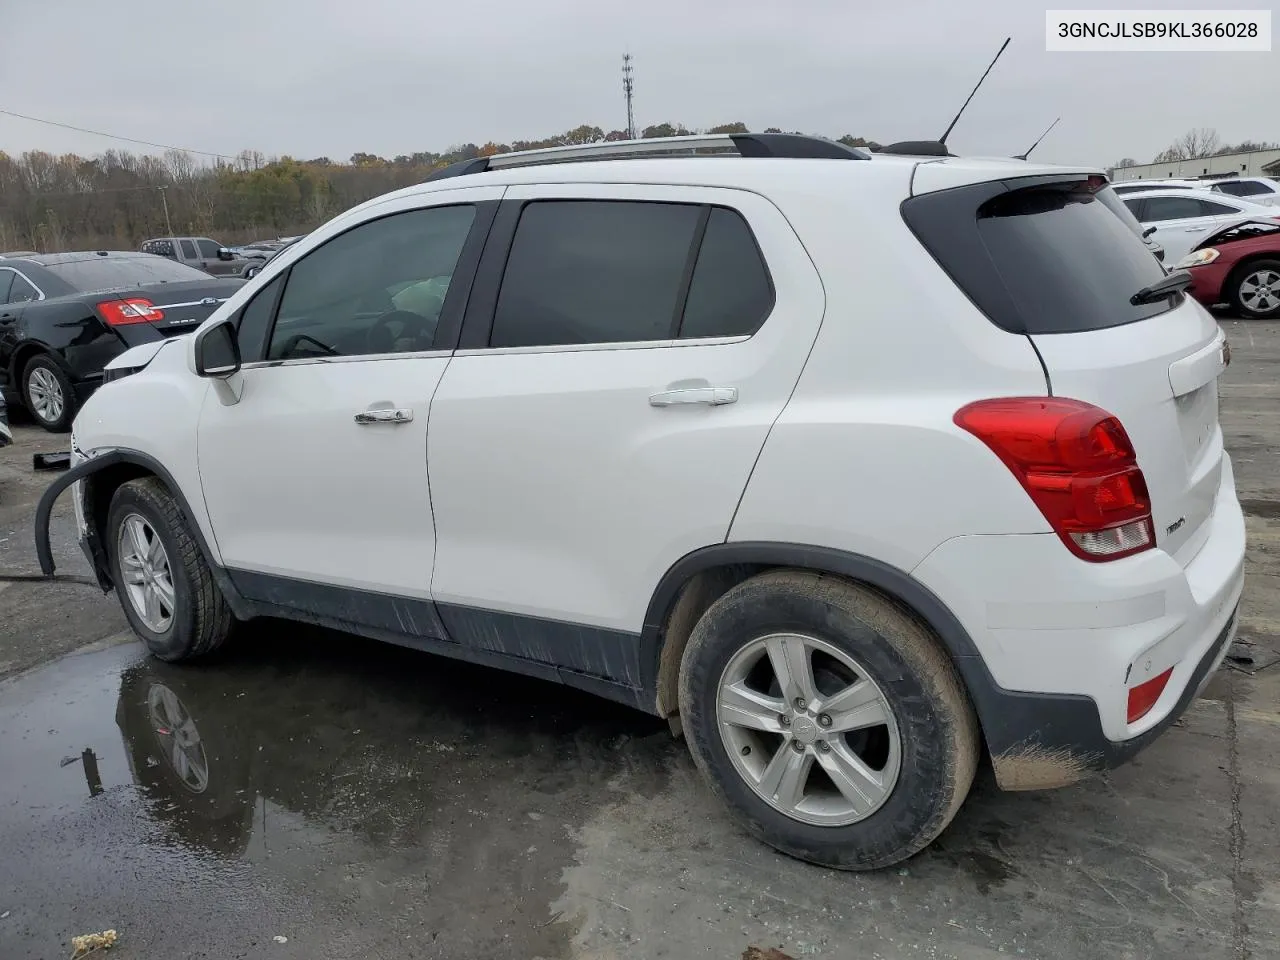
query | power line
[112, 136]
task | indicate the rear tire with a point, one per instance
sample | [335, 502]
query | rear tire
[1255, 290]
[164, 583]
[906, 744]
[48, 394]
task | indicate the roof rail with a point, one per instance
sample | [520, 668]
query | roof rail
[917, 148]
[778, 145]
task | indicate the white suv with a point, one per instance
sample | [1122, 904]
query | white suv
[851, 466]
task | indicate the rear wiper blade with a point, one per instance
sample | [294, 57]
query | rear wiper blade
[1164, 288]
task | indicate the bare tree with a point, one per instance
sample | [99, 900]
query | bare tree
[1197, 142]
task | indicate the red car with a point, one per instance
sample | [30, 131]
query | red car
[1238, 265]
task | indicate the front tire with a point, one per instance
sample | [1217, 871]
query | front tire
[1255, 291]
[48, 394]
[165, 586]
[828, 719]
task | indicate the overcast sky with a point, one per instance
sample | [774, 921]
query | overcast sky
[313, 78]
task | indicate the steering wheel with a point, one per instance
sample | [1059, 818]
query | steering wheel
[380, 339]
[287, 348]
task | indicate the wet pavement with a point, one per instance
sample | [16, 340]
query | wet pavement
[361, 800]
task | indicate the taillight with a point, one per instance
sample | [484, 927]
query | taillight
[1077, 464]
[118, 313]
[1144, 696]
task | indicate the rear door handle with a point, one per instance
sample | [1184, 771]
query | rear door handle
[711, 396]
[385, 415]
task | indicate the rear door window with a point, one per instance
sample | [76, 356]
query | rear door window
[1047, 258]
[594, 271]
[188, 249]
[730, 294]
[627, 271]
[22, 291]
[1210, 209]
[1172, 208]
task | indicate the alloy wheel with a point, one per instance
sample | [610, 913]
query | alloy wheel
[1260, 291]
[145, 570]
[44, 394]
[808, 729]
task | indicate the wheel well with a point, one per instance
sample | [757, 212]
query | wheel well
[100, 487]
[1229, 285]
[21, 356]
[698, 591]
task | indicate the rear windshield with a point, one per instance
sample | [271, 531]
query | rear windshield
[1044, 257]
[105, 273]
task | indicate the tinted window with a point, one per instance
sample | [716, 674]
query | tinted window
[1107, 196]
[255, 320]
[378, 288]
[1171, 208]
[22, 291]
[103, 273]
[1210, 209]
[730, 294]
[208, 249]
[1130, 188]
[188, 249]
[594, 271]
[1043, 259]
[6, 278]
[1244, 188]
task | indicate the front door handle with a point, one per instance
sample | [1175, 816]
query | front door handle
[385, 415]
[711, 396]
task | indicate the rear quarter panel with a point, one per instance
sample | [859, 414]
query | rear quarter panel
[865, 458]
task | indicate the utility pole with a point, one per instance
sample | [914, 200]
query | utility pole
[163, 199]
[628, 88]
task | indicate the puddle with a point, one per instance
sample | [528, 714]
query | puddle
[349, 796]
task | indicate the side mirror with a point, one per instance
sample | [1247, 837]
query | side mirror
[1148, 232]
[225, 254]
[217, 351]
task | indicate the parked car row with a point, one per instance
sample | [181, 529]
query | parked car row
[693, 450]
[64, 316]
[1263, 190]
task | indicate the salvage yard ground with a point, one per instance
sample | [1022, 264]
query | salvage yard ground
[359, 800]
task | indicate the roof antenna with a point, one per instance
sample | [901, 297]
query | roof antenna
[1026, 153]
[943, 138]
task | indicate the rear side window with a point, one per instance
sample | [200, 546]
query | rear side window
[1157, 209]
[22, 291]
[1048, 258]
[188, 249]
[610, 271]
[1244, 188]
[1210, 209]
[730, 293]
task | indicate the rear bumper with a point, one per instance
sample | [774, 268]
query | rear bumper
[1062, 641]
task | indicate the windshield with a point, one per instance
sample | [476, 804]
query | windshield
[104, 273]
[1052, 257]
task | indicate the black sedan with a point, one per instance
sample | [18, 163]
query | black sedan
[64, 316]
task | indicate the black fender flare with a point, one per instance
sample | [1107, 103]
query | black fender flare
[110, 458]
[1009, 719]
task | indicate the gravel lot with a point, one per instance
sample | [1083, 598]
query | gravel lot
[364, 801]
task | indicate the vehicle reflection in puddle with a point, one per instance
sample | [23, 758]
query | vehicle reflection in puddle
[349, 778]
